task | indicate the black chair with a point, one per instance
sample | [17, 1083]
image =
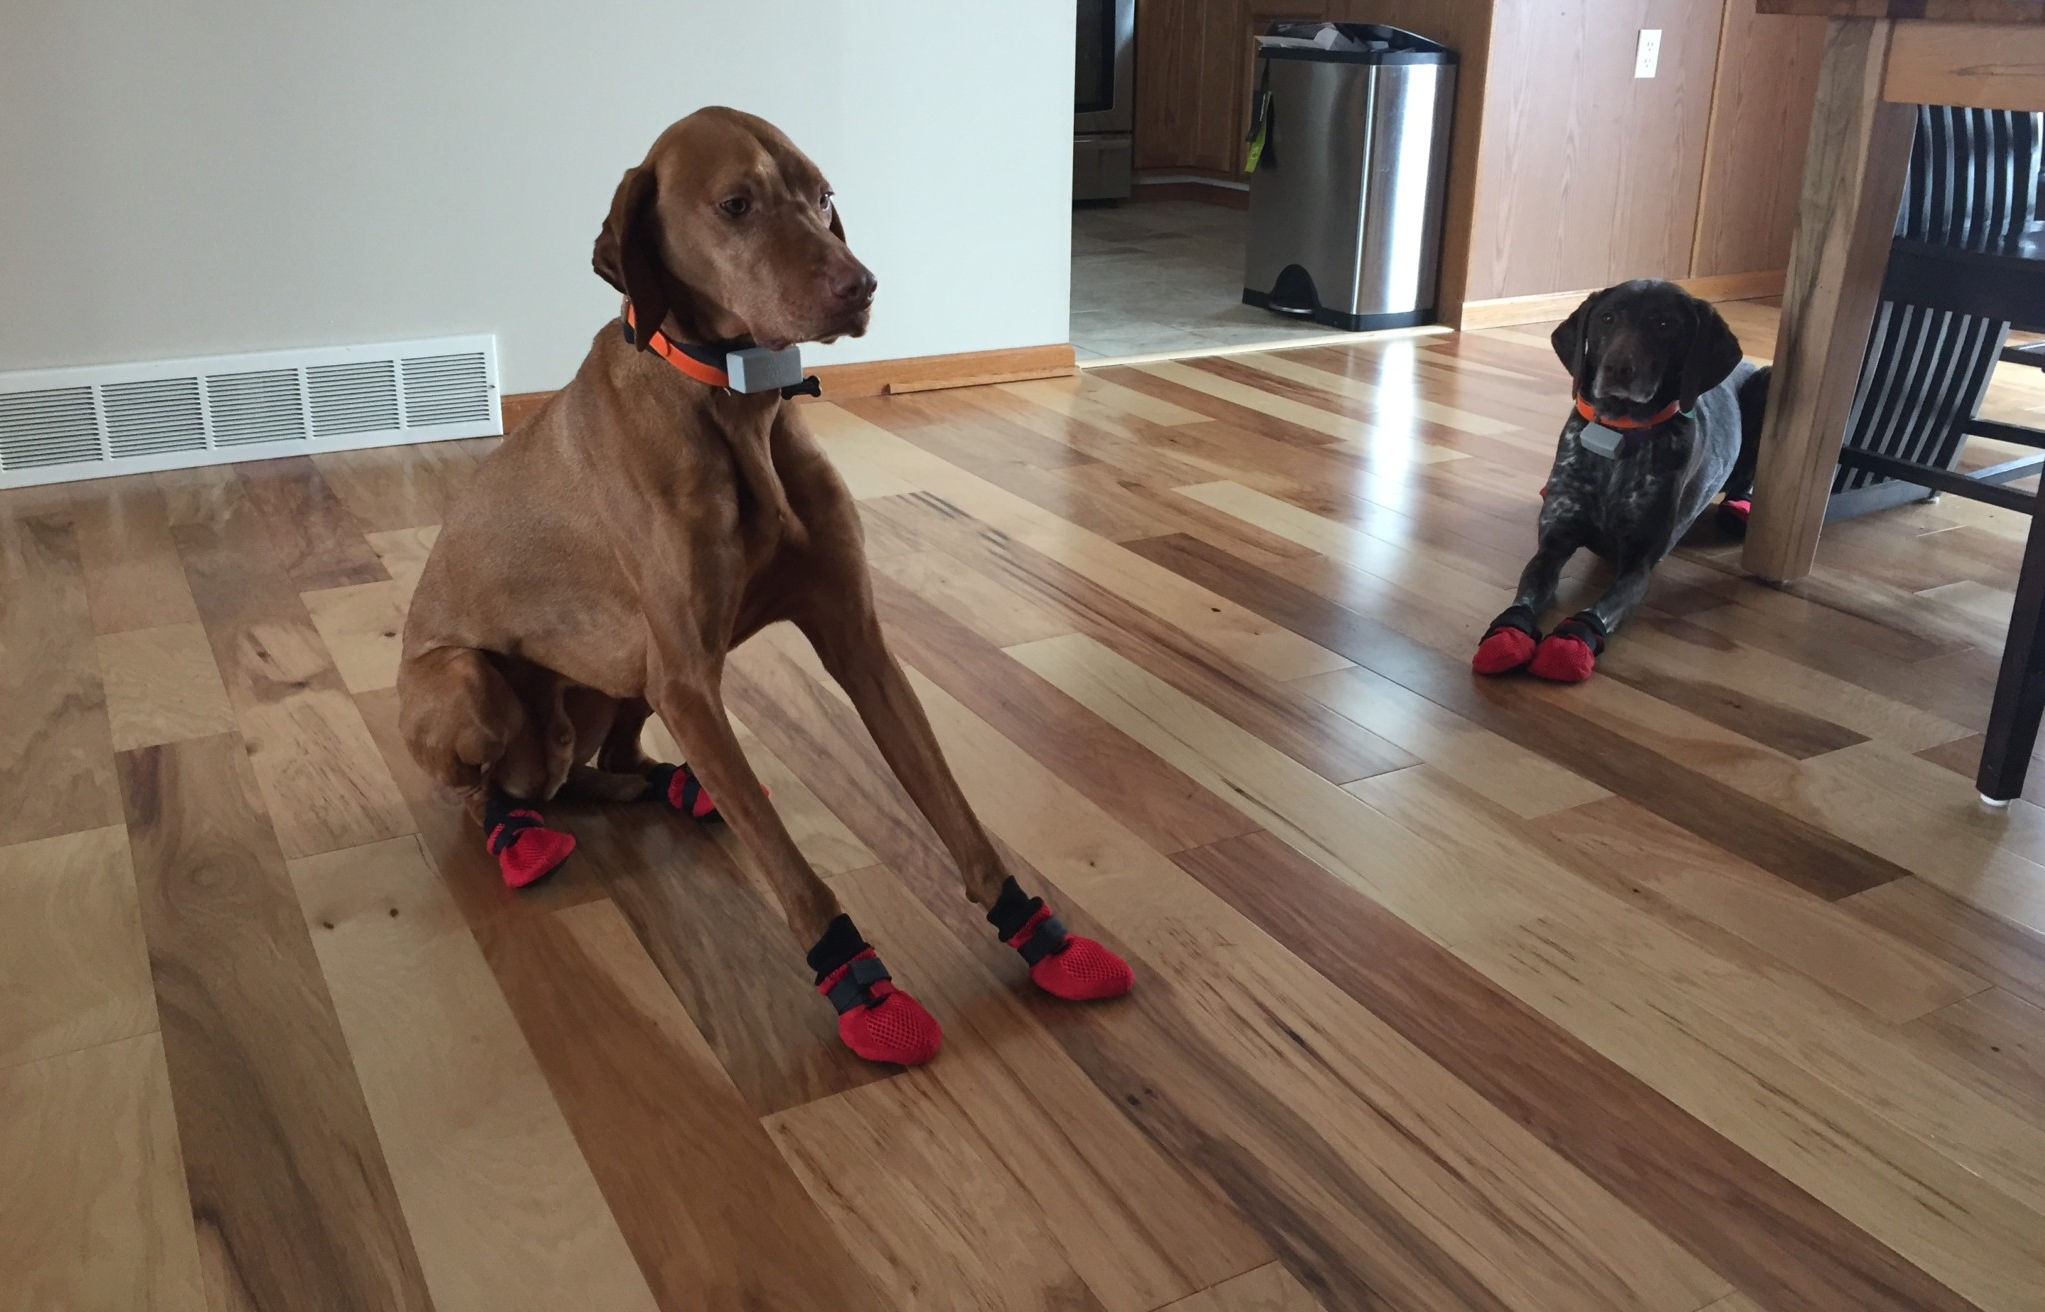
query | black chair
[1967, 263]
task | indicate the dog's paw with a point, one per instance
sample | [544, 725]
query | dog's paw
[1070, 966]
[1509, 643]
[1503, 651]
[526, 850]
[877, 1020]
[1563, 658]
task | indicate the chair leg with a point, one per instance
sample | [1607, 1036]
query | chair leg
[2020, 687]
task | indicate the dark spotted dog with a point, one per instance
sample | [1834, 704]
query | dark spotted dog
[1667, 416]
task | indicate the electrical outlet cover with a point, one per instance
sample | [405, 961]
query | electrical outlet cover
[1649, 52]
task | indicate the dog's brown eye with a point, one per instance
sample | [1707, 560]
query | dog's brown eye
[736, 206]
[824, 201]
[1608, 317]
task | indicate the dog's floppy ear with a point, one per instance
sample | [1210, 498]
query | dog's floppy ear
[627, 256]
[1571, 341]
[1714, 354]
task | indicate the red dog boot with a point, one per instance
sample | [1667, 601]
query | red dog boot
[1569, 654]
[1062, 964]
[875, 1019]
[1733, 513]
[678, 786]
[1509, 643]
[526, 850]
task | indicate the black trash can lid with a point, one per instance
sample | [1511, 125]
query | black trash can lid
[1351, 43]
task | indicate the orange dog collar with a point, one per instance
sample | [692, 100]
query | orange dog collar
[1590, 412]
[678, 354]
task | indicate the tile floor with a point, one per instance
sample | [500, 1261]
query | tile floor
[1165, 276]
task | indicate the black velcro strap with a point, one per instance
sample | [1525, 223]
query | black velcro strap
[1047, 939]
[691, 790]
[657, 781]
[507, 831]
[1516, 617]
[1586, 628]
[855, 987]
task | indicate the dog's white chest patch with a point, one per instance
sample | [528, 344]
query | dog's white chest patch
[1601, 440]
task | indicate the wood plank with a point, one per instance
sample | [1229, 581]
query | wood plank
[500, 1203]
[1329, 744]
[725, 951]
[1267, 1289]
[1998, 1038]
[2011, 958]
[1782, 844]
[387, 488]
[1885, 974]
[1170, 810]
[1519, 780]
[1983, 65]
[161, 686]
[362, 627]
[1447, 897]
[1212, 387]
[1703, 1190]
[288, 1181]
[1002, 615]
[1227, 627]
[93, 1212]
[325, 784]
[937, 1220]
[56, 750]
[712, 1212]
[319, 543]
[75, 970]
[1931, 1211]
[132, 576]
[1853, 181]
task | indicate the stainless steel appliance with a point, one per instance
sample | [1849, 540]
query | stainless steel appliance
[1346, 196]
[1104, 100]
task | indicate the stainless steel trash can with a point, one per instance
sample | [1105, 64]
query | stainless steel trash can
[1351, 123]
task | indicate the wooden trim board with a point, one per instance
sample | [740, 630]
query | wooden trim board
[916, 373]
[1509, 310]
[1981, 65]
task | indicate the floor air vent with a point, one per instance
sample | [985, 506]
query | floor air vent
[63, 424]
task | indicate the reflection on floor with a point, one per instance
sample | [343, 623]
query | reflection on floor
[1165, 276]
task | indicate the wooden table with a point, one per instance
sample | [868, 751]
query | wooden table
[1881, 58]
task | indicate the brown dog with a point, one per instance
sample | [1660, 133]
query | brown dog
[642, 524]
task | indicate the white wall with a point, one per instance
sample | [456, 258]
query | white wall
[188, 177]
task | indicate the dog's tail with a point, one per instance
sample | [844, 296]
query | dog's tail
[1753, 398]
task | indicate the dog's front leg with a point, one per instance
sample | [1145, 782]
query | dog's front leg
[848, 640]
[1510, 642]
[876, 1020]
[1569, 654]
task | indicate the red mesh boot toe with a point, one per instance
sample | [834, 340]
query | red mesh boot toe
[877, 1020]
[1067, 965]
[1062, 964]
[1570, 654]
[526, 850]
[1508, 644]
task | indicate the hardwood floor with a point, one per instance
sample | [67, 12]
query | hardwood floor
[1704, 985]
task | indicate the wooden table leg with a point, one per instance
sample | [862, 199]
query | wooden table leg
[1853, 182]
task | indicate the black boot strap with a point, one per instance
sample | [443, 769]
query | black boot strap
[507, 831]
[1047, 939]
[1516, 617]
[1586, 628]
[855, 987]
